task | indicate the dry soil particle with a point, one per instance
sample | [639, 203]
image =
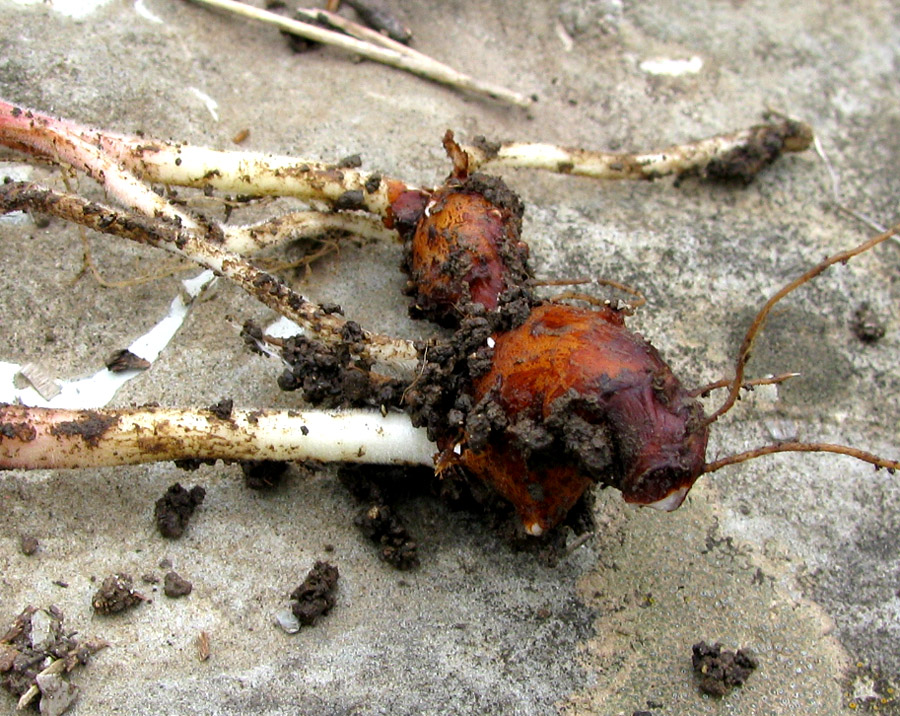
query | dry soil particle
[332, 376]
[765, 146]
[33, 643]
[263, 474]
[315, 597]
[174, 509]
[28, 544]
[90, 427]
[176, 586]
[376, 486]
[222, 409]
[123, 360]
[718, 671]
[867, 325]
[116, 594]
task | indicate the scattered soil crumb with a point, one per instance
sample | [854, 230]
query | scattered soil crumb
[174, 509]
[332, 376]
[867, 325]
[149, 578]
[381, 525]
[123, 360]
[28, 544]
[222, 409]
[315, 597]
[718, 670]
[263, 474]
[34, 655]
[116, 594]
[378, 520]
[176, 586]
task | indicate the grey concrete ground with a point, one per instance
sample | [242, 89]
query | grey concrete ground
[797, 557]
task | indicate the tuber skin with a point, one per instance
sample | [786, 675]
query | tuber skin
[585, 401]
[559, 398]
[566, 399]
[466, 248]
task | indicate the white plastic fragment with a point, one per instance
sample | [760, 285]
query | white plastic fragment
[208, 101]
[140, 7]
[672, 68]
[287, 621]
[99, 389]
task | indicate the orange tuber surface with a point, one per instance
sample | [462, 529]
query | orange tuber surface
[584, 401]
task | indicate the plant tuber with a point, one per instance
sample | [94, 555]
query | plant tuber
[539, 400]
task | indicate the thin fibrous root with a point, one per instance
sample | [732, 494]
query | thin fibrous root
[99, 154]
[878, 462]
[273, 233]
[414, 62]
[737, 155]
[47, 438]
[759, 321]
[265, 287]
[705, 390]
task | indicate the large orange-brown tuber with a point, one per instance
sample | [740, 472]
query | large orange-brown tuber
[573, 398]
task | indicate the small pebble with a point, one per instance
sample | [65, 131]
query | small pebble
[176, 586]
[28, 544]
[287, 621]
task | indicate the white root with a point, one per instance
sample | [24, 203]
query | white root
[117, 160]
[754, 147]
[47, 438]
[251, 173]
[61, 141]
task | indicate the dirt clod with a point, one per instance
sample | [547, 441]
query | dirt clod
[867, 325]
[263, 474]
[176, 586]
[222, 409]
[28, 544]
[718, 670]
[397, 548]
[123, 360]
[331, 376]
[35, 651]
[116, 594]
[379, 520]
[315, 597]
[174, 509]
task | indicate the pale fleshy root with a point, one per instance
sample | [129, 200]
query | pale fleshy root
[118, 161]
[738, 155]
[282, 230]
[47, 438]
[61, 141]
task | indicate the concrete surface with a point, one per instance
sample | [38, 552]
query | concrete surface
[795, 557]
